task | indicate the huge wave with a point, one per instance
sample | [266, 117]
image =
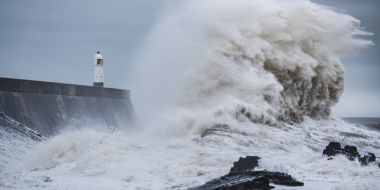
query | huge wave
[267, 61]
[219, 79]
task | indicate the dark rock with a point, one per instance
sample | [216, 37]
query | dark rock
[351, 152]
[245, 164]
[278, 178]
[242, 177]
[257, 183]
[335, 148]
[249, 180]
[370, 157]
[332, 149]
[253, 183]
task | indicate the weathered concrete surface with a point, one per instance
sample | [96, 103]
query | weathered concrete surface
[47, 107]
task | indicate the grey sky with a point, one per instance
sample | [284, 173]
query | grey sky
[55, 40]
[362, 87]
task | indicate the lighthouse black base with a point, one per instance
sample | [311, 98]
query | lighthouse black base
[99, 84]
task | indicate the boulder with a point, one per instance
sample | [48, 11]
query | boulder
[332, 149]
[236, 182]
[370, 157]
[245, 164]
[242, 177]
[351, 152]
[249, 180]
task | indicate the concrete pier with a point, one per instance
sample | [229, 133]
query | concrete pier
[48, 107]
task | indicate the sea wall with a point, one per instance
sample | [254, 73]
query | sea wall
[48, 107]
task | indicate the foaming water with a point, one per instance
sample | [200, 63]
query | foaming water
[98, 159]
[221, 80]
[278, 60]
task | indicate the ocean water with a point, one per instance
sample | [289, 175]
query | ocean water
[369, 122]
[96, 159]
[214, 81]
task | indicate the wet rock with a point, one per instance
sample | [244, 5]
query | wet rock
[249, 180]
[242, 177]
[332, 149]
[370, 157]
[351, 152]
[257, 183]
[277, 178]
[236, 182]
[245, 164]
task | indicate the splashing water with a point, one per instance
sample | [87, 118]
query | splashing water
[220, 80]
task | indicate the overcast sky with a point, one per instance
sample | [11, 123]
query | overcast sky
[55, 40]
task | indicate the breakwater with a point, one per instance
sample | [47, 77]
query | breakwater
[48, 107]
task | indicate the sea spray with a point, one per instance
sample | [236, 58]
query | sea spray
[276, 61]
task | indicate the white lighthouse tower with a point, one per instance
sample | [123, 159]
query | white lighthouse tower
[98, 70]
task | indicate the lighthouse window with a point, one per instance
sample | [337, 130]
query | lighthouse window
[99, 61]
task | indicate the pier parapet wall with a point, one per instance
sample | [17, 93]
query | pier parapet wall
[48, 107]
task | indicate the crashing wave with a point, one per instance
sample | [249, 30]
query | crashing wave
[263, 61]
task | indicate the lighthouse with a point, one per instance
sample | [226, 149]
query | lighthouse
[98, 70]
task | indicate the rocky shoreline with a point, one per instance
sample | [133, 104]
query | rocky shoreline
[242, 175]
[351, 152]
